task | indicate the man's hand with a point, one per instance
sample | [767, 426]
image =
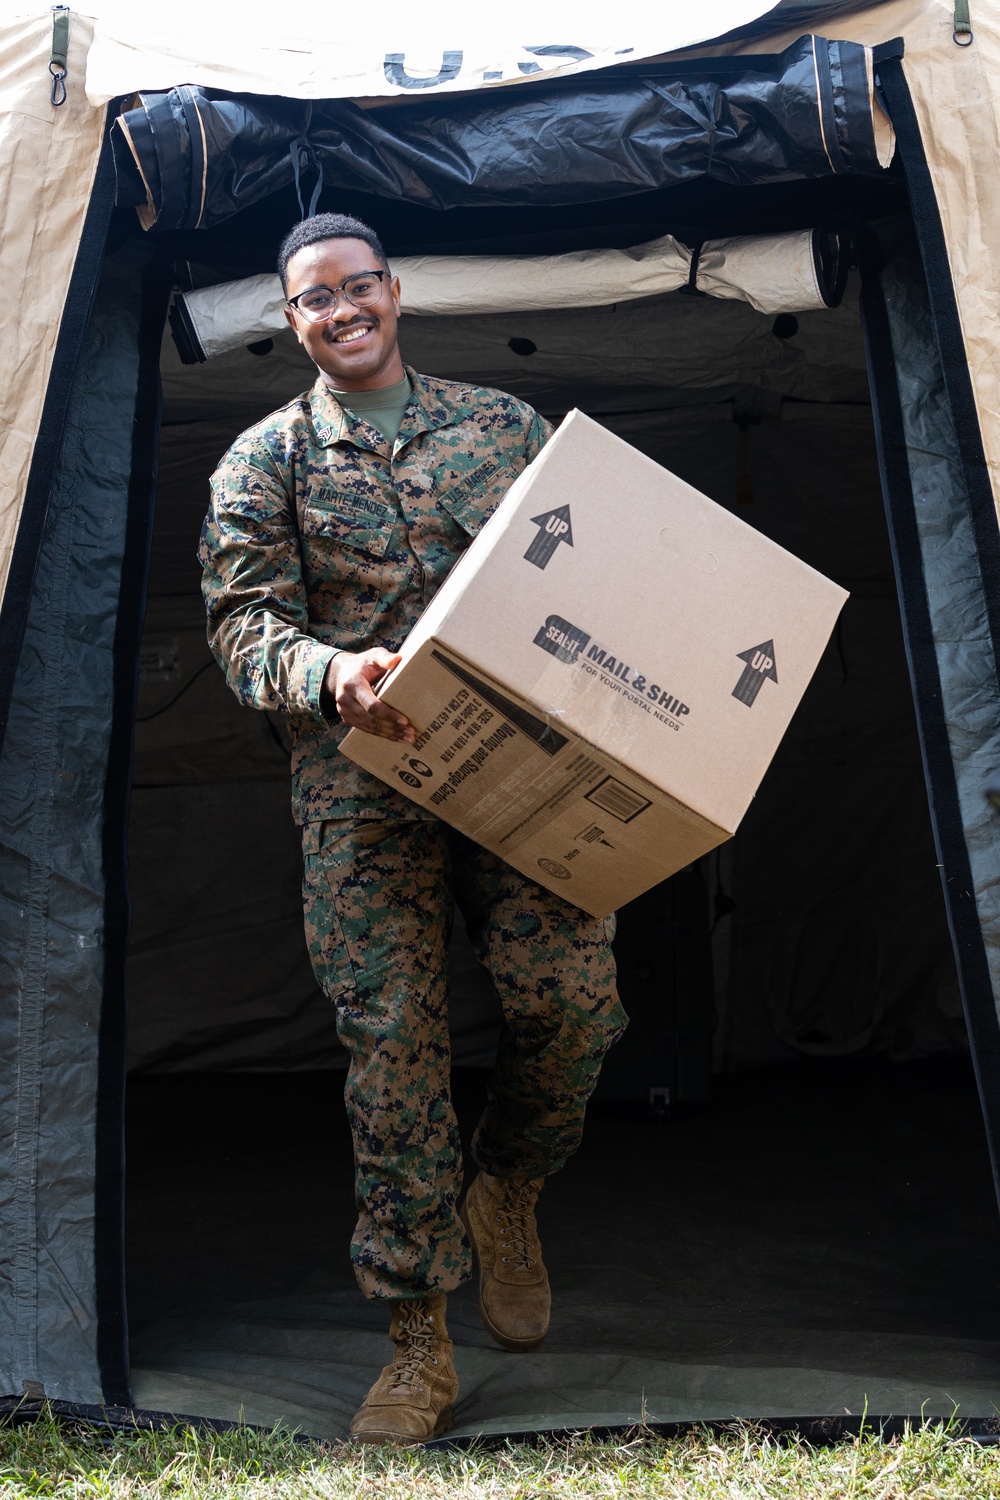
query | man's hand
[348, 681]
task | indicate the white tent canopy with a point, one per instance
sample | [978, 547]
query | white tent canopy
[443, 49]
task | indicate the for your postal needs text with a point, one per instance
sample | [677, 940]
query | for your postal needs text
[569, 643]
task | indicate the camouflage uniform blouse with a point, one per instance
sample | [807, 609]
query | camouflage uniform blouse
[320, 538]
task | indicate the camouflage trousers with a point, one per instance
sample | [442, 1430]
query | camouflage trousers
[379, 898]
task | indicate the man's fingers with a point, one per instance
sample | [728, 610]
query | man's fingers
[379, 662]
[359, 707]
[375, 665]
[359, 696]
[378, 712]
[392, 729]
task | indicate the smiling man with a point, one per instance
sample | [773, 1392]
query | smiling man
[332, 524]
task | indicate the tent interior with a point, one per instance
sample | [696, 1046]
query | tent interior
[783, 1205]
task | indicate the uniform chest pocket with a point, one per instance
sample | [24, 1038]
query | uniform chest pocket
[363, 526]
[473, 498]
[346, 555]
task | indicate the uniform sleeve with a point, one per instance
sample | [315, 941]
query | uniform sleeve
[537, 435]
[255, 594]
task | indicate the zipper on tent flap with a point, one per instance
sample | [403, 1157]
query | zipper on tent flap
[60, 53]
[109, 1177]
[963, 34]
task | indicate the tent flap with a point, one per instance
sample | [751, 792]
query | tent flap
[806, 112]
[61, 1268]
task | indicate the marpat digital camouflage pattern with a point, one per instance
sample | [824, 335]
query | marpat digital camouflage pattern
[377, 931]
[319, 539]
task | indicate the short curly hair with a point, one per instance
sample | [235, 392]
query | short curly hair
[325, 227]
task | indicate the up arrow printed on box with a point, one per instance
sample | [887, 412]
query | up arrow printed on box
[554, 527]
[759, 665]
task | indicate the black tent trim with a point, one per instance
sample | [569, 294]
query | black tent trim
[69, 343]
[819, 1431]
[939, 771]
[947, 325]
[196, 156]
[953, 852]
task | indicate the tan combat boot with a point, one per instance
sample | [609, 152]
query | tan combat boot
[514, 1299]
[411, 1400]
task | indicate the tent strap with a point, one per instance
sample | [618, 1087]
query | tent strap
[60, 53]
[963, 34]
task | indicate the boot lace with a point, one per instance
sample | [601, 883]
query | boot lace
[414, 1346]
[514, 1214]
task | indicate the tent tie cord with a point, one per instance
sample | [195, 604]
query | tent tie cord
[691, 287]
[963, 35]
[303, 156]
[60, 52]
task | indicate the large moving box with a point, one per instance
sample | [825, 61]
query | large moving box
[602, 680]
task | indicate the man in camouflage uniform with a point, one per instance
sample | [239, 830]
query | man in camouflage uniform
[332, 524]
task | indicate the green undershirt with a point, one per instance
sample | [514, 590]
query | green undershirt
[382, 409]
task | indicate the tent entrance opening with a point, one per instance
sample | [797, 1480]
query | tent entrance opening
[784, 1176]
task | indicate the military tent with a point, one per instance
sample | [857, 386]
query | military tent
[785, 1206]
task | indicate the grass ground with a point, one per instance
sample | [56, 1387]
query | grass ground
[49, 1458]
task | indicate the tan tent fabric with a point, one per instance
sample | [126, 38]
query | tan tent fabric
[956, 94]
[48, 158]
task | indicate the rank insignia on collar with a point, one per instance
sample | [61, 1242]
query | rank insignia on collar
[324, 434]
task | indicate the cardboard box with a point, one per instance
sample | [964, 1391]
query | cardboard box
[602, 680]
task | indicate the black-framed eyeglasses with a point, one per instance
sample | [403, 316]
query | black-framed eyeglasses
[320, 302]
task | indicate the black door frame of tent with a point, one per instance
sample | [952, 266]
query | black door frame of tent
[959, 887]
[885, 336]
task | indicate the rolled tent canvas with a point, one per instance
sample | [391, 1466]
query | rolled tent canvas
[72, 473]
[774, 273]
[189, 159]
